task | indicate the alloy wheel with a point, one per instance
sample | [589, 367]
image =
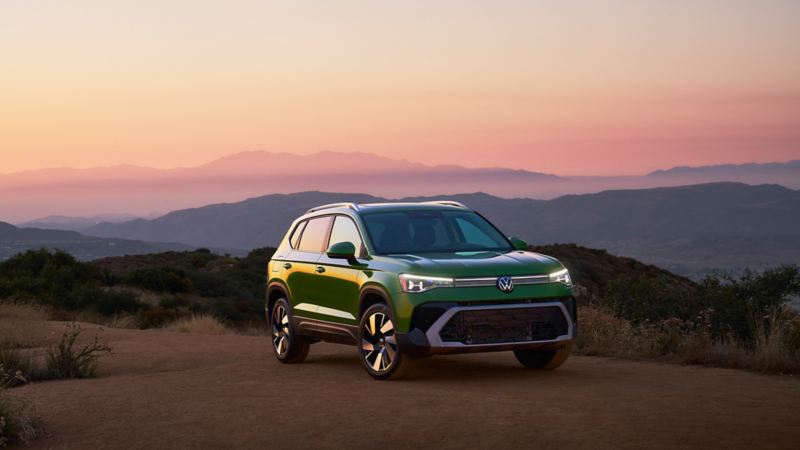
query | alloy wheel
[378, 343]
[280, 330]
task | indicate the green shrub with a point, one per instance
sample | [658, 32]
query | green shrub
[16, 420]
[160, 279]
[646, 299]
[741, 306]
[65, 359]
[89, 296]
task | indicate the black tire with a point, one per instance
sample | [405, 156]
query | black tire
[288, 346]
[382, 358]
[543, 359]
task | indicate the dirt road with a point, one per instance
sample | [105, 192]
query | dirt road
[168, 390]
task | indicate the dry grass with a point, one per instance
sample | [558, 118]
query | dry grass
[17, 423]
[677, 341]
[68, 359]
[198, 324]
[22, 325]
[119, 320]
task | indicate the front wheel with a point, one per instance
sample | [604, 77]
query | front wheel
[543, 359]
[380, 354]
[288, 346]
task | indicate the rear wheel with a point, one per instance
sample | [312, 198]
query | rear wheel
[288, 346]
[543, 359]
[380, 354]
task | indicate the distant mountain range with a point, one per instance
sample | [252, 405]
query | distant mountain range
[690, 230]
[14, 240]
[140, 190]
[79, 223]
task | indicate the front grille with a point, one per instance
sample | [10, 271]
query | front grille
[508, 325]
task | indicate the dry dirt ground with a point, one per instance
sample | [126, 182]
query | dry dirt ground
[170, 390]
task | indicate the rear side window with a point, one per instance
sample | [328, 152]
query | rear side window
[345, 230]
[314, 235]
[296, 235]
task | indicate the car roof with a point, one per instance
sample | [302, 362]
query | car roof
[389, 206]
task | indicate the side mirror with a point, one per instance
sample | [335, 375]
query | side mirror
[518, 244]
[343, 250]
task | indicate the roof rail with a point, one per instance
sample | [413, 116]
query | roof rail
[447, 203]
[350, 205]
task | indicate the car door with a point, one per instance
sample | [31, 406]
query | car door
[300, 266]
[338, 277]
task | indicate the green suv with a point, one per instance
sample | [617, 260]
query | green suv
[406, 280]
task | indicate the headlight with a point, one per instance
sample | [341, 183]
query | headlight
[420, 283]
[562, 276]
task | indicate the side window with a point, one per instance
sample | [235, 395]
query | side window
[314, 235]
[345, 230]
[293, 241]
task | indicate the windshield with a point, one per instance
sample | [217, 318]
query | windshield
[432, 231]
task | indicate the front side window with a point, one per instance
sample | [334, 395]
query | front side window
[345, 230]
[432, 231]
[314, 234]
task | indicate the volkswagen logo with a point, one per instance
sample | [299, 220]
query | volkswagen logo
[505, 284]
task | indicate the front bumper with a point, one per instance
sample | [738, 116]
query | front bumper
[466, 327]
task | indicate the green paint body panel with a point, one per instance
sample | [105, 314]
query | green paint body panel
[336, 284]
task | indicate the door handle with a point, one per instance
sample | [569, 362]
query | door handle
[287, 265]
[320, 269]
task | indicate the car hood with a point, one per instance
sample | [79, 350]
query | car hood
[479, 264]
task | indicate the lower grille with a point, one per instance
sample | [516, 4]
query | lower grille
[508, 325]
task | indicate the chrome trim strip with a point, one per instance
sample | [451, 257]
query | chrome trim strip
[436, 341]
[519, 280]
[446, 203]
[324, 310]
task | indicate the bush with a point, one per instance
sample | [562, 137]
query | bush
[689, 342]
[199, 324]
[160, 279]
[646, 299]
[18, 362]
[44, 276]
[16, 420]
[742, 306]
[67, 360]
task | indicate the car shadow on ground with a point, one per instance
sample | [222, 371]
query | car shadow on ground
[445, 368]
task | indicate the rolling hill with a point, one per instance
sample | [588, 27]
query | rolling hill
[690, 230]
[14, 240]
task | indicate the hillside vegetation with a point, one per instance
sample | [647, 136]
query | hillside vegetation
[627, 308]
[149, 290]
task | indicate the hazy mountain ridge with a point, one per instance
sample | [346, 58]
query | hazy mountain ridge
[686, 229]
[56, 222]
[14, 240]
[141, 190]
[788, 166]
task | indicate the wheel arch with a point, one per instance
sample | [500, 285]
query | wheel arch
[371, 295]
[276, 290]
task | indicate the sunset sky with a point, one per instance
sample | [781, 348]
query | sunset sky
[572, 88]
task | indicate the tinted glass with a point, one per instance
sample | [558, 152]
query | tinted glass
[345, 230]
[314, 235]
[432, 232]
[296, 235]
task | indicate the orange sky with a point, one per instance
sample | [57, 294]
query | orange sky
[597, 87]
